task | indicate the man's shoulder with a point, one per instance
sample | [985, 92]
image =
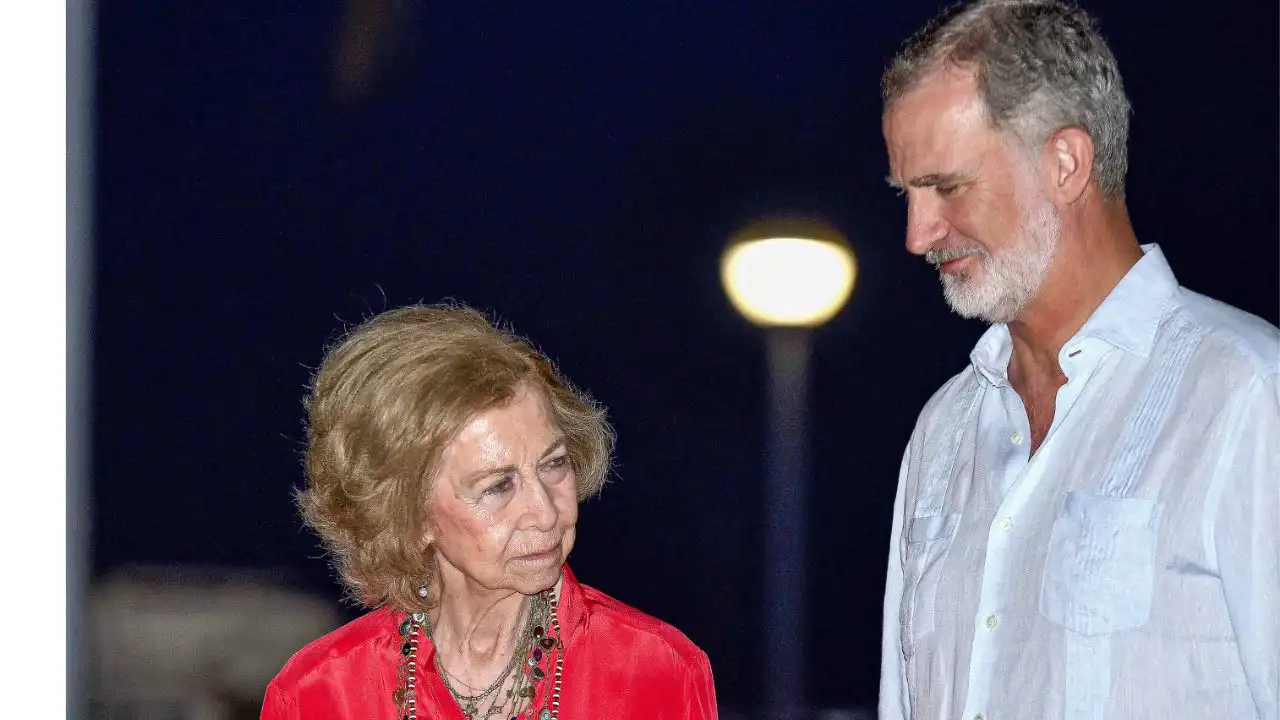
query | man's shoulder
[604, 610]
[1241, 339]
[952, 398]
[356, 636]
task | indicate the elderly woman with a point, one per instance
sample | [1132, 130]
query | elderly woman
[445, 464]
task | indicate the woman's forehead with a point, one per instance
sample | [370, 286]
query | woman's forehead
[519, 426]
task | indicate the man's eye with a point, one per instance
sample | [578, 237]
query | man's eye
[946, 190]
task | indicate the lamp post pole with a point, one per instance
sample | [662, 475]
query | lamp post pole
[786, 491]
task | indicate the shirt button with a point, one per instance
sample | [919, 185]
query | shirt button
[1016, 438]
[992, 622]
[1007, 524]
[978, 717]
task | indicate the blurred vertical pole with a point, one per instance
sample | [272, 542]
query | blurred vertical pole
[80, 203]
[785, 499]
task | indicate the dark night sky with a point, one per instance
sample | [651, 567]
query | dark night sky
[576, 169]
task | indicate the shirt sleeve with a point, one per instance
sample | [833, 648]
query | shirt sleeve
[894, 703]
[1246, 539]
[700, 691]
[277, 705]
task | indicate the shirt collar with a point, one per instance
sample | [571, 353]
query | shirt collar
[569, 608]
[1128, 318]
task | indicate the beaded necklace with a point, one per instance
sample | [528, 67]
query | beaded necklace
[539, 646]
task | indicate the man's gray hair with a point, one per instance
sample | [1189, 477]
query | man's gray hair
[1041, 65]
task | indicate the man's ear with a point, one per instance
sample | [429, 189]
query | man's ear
[1069, 156]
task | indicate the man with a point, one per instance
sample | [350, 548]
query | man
[1088, 516]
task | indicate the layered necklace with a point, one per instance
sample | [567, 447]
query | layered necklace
[538, 653]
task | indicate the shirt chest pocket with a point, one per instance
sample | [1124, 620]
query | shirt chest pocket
[1099, 573]
[928, 539]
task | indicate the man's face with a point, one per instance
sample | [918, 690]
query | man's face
[976, 206]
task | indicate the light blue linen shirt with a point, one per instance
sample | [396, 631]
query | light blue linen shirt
[1130, 569]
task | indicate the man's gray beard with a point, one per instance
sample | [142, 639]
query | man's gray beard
[1008, 281]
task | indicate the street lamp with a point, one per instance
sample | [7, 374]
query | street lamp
[788, 276]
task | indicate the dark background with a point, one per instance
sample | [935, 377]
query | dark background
[576, 168]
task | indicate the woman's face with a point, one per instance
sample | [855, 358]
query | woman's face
[505, 503]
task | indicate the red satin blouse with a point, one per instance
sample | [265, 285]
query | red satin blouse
[618, 663]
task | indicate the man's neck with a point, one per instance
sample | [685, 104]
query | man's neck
[1096, 251]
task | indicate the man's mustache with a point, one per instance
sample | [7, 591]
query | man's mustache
[937, 257]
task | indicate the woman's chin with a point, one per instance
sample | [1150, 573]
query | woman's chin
[531, 580]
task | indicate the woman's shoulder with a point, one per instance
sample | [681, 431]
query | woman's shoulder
[357, 638]
[606, 613]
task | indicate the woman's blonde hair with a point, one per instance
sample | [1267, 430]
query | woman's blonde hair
[388, 399]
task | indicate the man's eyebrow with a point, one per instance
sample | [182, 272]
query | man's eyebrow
[930, 180]
[935, 179]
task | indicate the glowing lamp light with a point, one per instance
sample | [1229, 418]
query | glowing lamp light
[789, 274]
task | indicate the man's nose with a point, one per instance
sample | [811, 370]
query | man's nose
[925, 225]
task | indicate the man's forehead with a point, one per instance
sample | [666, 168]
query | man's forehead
[945, 84]
[940, 117]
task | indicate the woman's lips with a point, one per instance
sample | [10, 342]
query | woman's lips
[541, 556]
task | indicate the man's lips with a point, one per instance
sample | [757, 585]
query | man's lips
[956, 264]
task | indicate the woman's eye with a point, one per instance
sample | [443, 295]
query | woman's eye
[556, 465]
[500, 488]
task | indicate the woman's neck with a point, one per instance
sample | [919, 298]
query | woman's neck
[475, 630]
